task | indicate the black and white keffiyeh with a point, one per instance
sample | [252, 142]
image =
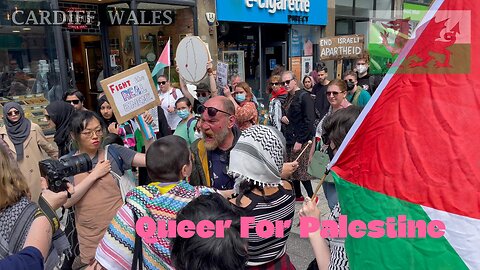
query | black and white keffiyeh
[258, 157]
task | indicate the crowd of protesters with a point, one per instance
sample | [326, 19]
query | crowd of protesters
[210, 160]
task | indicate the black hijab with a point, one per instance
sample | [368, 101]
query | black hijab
[61, 113]
[102, 100]
[18, 131]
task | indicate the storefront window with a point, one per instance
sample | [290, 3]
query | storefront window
[363, 7]
[121, 43]
[174, 22]
[28, 59]
[29, 67]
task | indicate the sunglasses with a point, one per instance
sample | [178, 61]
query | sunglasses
[275, 83]
[287, 82]
[162, 82]
[12, 113]
[346, 81]
[202, 94]
[333, 92]
[212, 111]
[75, 101]
[47, 117]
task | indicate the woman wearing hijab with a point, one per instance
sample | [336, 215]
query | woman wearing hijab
[26, 140]
[125, 130]
[59, 114]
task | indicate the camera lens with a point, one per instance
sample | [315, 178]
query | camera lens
[77, 164]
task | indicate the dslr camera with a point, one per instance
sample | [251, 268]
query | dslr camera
[57, 171]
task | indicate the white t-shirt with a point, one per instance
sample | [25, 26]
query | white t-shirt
[168, 101]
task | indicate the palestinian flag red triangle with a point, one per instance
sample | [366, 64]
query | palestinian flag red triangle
[415, 149]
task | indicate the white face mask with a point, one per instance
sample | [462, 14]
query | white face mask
[362, 68]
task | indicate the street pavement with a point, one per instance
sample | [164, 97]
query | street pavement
[299, 249]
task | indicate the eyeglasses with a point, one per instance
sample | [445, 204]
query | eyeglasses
[13, 113]
[202, 94]
[275, 83]
[286, 82]
[350, 80]
[162, 82]
[212, 111]
[47, 117]
[90, 133]
[75, 101]
[334, 93]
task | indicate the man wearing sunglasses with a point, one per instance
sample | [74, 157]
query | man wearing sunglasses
[168, 97]
[212, 152]
[75, 98]
[203, 92]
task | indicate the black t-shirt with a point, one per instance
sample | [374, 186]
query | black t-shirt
[370, 82]
[321, 102]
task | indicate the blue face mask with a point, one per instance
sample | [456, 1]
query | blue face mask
[202, 99]
[183, 113]
[240, 97]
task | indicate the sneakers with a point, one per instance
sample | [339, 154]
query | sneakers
[300, 199]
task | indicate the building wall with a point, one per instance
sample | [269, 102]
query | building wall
[206, 32]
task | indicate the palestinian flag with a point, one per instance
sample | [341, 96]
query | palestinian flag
[415, 149]
[162, 62]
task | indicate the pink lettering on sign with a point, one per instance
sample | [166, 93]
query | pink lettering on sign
[119, 86]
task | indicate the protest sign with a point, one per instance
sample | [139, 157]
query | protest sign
[131, 93]
[341, 47]
[222, 74]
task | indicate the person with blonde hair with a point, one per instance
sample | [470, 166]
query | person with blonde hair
[245, 109]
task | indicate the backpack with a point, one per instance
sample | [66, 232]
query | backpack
[189, 123]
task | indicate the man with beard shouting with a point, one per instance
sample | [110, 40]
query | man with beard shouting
[212, 152]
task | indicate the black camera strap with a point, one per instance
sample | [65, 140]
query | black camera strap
[47, 210]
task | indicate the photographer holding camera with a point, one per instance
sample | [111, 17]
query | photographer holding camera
[97, 195]
[20, 216]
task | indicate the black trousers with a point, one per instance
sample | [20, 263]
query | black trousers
[298, 189]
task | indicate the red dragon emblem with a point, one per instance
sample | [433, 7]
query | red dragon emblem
[404, 29]
[435, 45]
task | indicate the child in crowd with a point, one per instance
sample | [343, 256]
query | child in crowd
[168, 164]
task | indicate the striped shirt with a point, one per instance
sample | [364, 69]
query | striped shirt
[116, 248]
[274, 207]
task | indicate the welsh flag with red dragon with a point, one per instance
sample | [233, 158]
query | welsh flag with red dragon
[415, 149]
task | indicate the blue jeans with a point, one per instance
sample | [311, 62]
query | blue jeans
[330, 194]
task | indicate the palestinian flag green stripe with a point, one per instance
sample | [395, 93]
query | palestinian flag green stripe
[387, 253]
